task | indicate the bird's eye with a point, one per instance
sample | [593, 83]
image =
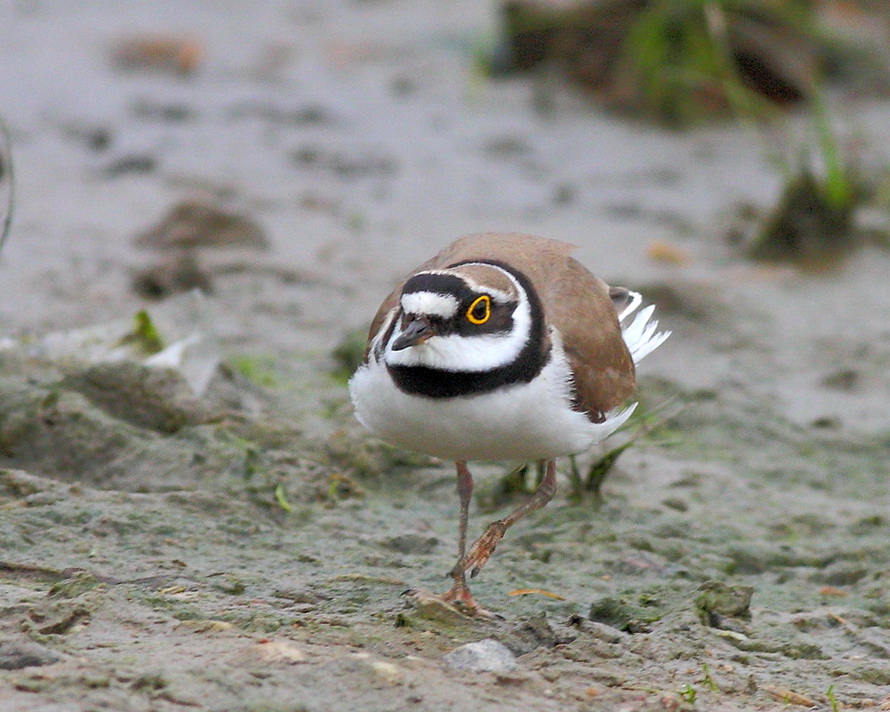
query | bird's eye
[480, 310]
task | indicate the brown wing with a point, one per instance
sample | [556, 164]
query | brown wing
[577, 303]
[602, 366]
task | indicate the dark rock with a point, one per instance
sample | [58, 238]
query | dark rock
[154, 398]
[534, 632]
[139, 164]
[806, 225]
[722, 606]
[194, 224]
[18, 654]
[173, 275]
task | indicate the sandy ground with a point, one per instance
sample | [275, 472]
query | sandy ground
[247, 549]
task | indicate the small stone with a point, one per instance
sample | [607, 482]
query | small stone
[486, 655]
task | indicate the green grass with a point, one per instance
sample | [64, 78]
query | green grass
[259, 370]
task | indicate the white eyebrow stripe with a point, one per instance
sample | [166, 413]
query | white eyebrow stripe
[496, 294]
[432, 303]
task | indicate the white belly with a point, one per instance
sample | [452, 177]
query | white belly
[529, 421]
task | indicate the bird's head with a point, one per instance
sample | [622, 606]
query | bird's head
[469, 318]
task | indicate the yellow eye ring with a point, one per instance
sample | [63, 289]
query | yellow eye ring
[480, 310]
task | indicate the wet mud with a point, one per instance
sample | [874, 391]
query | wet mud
[247, 547]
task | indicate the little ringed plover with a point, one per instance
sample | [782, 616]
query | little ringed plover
[501, 347]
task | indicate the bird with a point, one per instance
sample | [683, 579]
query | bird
[502, 347]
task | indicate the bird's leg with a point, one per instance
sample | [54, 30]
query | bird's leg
[460, 592]
[485, 545]
[459, 595]
[465, 493]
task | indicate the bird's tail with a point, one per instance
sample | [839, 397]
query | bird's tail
[642, 338]
[641, 335]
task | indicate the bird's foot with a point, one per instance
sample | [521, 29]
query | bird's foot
[456, 600]
[481, 550]
[460, 597]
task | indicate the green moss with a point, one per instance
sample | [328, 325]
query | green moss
[230, 584]
[716, 601]
[145, 336]
[631, 611]
[258, 621]
[259, 370]
[80, 582]
[874, 674]
[151, 682]
[348, 354]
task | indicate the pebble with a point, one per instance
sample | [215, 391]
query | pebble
[486, 655]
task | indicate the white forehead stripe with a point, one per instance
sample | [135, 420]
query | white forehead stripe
[432, 303]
